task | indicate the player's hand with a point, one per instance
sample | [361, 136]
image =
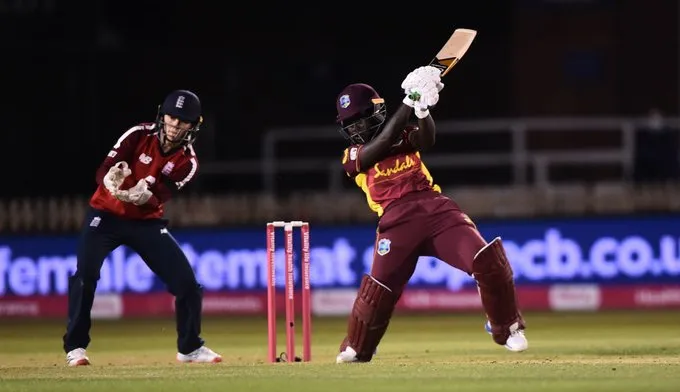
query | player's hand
[425, 93]
[115, 176]
[422, 85]
[140, 193]
[421, 110]
[137, 195]
[435, 75]
[415, 78]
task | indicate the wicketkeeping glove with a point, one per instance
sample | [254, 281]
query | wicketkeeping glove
[137, 195]
[115, 176]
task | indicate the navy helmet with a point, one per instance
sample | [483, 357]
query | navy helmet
[184, 105]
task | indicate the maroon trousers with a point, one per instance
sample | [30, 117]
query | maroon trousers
[429, 224]
[422, 226]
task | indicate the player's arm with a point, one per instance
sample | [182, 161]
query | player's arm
[422, 88]
[423, 138]
[173, 183]
[377, 149]
[122, 151]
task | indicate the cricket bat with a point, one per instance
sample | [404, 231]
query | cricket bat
[453, 50]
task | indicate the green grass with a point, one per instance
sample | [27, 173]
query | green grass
[582, 352]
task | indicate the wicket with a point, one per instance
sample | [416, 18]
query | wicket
[289, 292]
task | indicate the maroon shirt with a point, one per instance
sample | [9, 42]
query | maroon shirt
[396, 176]
[166, 173]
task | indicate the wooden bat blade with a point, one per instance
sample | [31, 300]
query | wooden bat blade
[453, 50]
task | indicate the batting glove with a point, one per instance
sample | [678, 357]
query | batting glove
[426, 93]
[415, 78]
[421, 110]
[434, 74]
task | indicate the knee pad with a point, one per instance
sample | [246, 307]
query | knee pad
[494, 277]
[370, 317]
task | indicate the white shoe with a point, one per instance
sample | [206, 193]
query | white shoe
[77, 357]
[347, 356]
[200, 355]
[517, 342]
